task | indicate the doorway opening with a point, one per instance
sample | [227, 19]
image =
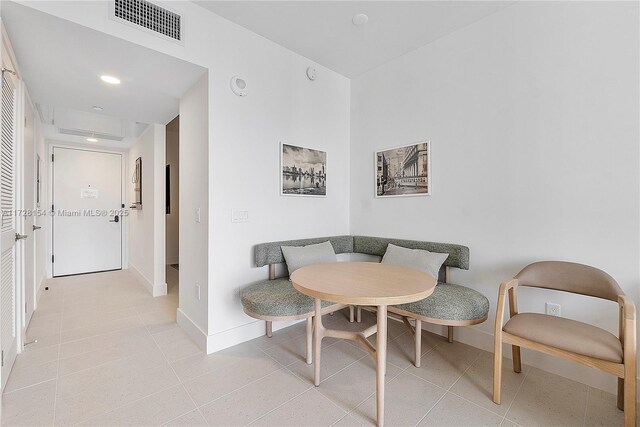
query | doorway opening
[172, 205]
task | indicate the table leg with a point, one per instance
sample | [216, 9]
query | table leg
[317, 341]
[309, 340]
[381, 359]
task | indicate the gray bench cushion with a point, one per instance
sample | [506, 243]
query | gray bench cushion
[277, 298]
[450, 302]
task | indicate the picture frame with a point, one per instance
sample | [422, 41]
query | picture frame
[303, 171]
[403, 171]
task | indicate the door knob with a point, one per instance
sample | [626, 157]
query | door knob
[20, 236]
[115, 219]
[36, 227]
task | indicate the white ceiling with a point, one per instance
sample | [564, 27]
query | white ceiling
[323, 32]
[61, 62]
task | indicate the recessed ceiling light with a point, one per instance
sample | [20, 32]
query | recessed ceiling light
[92, 139]
[97, 108]
[360, 19]
[110, 79]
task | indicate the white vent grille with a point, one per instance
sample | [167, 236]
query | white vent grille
[149, 16]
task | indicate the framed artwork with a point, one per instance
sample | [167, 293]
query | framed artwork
[404, 171]
[303, 171]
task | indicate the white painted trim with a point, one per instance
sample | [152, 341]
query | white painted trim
[155, 290]
[248, 331]
[198, 336]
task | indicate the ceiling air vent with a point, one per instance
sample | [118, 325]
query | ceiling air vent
[147, 15]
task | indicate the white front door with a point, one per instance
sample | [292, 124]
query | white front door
[87, 204]
[8, 228]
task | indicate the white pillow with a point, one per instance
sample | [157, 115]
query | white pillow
[429, 262]
[298, 256]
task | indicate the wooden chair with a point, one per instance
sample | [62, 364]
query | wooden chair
[565, 338]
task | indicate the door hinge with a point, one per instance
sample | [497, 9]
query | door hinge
[52, 208]
[25, 308]
[52, 258]
[52, 157]
[2, 358]
[25, 121]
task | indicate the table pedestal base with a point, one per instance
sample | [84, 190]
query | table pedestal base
[379, 353]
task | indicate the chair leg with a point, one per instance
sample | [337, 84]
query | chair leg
[450, 333]
[418, 341]
[621, 394]
[309, 340]
[269, 329]
[358, 314]
[351, 313]
[517, 362]
[497, 370]
[630, 395]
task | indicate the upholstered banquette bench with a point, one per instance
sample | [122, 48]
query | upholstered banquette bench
[451, 305]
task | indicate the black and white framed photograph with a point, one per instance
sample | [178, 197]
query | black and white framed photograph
[404, 171]
[303, 171]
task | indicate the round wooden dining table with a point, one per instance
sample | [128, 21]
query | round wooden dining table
[361, 284]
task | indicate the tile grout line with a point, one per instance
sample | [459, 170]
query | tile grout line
[136, 400]
[450, 387]
[55, 395]
[174, 373]
[515, 396]
[586, 407]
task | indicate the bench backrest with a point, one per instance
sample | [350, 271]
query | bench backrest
[271, 253]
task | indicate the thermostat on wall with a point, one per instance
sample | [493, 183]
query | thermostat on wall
[239, 86]
[311, 73]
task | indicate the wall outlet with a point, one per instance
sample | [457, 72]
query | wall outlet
[552, 309]
[198, 292]
[239, 216]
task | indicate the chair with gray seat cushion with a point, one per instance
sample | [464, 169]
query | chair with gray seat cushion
[565, 338]
[450, 305]
[277, 299]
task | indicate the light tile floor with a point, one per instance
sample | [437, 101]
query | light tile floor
[109, 354]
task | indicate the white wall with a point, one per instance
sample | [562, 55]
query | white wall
[244, 137]
[283, 105]
[172, 225]
[533, 118]
[193, 313]
[146, 225]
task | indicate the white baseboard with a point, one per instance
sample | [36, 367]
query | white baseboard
[230, 337]
[195, 333]
[156, 290]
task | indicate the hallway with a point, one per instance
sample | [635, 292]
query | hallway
[102, 341]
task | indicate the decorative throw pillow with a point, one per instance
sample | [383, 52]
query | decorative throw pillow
[299, 256]
[429, 262]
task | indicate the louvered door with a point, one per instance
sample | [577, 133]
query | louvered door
[8, 315]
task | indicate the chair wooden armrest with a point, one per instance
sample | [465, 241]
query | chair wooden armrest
[506, 286]
[628, 307]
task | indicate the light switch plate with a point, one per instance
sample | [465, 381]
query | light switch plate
[239, 216]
